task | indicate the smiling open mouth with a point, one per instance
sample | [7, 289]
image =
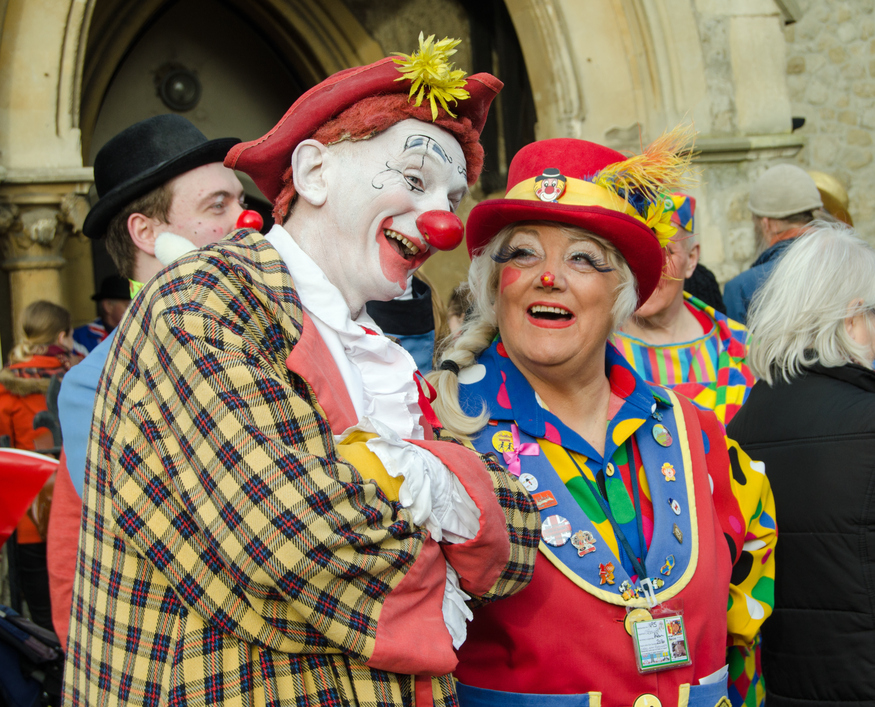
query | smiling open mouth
[404, 247]
[553, 314]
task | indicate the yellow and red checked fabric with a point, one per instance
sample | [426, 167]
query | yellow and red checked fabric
[229, 556]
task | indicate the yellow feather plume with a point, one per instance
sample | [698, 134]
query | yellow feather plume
[641, 180]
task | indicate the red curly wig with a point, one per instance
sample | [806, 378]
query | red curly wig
[373, 115]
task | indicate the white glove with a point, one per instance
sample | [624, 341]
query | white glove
[456, 611]
[431, 492]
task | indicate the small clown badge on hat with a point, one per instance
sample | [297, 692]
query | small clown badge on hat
[550, 185]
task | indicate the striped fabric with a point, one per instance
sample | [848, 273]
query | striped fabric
[709, 370]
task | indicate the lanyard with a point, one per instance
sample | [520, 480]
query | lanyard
[638, 565]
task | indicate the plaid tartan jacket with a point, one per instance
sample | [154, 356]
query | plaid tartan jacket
[227, 554]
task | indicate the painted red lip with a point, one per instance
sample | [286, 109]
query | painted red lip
[550, 323]
[417, 259]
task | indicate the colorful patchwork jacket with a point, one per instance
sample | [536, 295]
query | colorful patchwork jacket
[228, 553]
[710, 370]
[678, 491]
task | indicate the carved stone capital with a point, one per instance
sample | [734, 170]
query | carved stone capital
[74, 209]
[32, 237]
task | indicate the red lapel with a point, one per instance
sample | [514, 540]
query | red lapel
[311, 360]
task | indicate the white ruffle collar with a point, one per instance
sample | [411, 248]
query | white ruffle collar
[378, 373]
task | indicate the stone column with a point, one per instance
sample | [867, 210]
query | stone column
[39, 211]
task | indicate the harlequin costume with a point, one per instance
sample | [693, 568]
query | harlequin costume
[230, 553]
[662, 509]
[709, 370]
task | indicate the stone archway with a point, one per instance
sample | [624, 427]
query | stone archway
[57, 62]
[312, 39]
[603, 67]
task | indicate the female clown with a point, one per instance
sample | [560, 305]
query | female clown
[644, 539]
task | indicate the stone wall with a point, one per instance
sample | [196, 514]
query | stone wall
[831, 78]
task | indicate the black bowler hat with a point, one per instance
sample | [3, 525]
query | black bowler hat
[142, 158]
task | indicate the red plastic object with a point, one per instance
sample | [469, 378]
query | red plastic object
[441, 229]
[547, 279]
[22, 475]
[250, 219]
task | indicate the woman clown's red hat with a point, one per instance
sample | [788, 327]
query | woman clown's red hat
[624, 200]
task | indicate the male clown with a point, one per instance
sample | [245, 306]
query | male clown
[240, 541]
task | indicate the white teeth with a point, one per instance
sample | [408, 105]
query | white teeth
[409, 247]
[541, 309]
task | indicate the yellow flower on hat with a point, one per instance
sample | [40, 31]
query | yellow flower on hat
[659, 220]
[429, 70]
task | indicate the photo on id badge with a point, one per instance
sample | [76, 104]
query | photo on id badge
[660, 643]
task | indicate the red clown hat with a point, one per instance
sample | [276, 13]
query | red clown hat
[621, 199]
[268, 157]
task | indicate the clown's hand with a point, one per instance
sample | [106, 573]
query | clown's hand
[431, 492]
[456, 612]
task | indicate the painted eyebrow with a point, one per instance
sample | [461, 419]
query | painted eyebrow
[526, 232]
[429, 143]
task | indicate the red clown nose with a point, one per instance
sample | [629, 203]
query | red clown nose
[441, 229]
[250, 219]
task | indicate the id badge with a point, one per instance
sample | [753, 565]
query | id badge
[661, 640]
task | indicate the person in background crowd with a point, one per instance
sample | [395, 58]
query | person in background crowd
[782, 201]
[252, 561]
[703, 285]
[836, 202]
[640, 517]
[458, 307]
[811, 419]
[45, 350]
[416, 319]
[112, 299]
[158, 180]
[677, 341]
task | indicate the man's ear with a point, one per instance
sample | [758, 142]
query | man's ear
[143, 232]
[309, 171]
[693, 261]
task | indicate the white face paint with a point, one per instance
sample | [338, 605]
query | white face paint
[377, 188]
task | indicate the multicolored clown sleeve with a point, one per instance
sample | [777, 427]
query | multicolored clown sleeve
[745, 506]
[746, 510]
[752, 592]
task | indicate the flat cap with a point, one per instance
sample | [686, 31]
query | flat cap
[782, 191]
